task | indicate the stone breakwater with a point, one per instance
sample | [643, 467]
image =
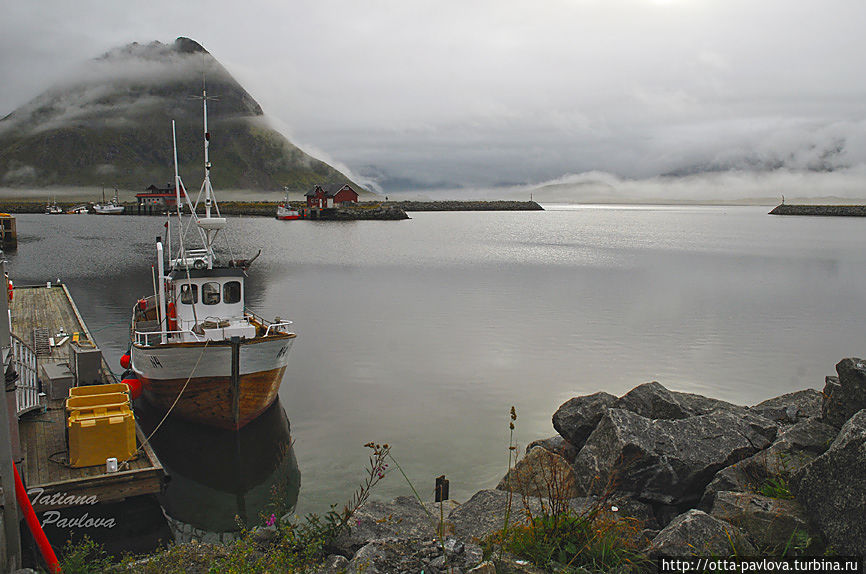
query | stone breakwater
[393, 210]
[700, 476]
[823, 210]
[468, 205]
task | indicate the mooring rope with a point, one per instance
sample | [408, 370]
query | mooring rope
[147, 440]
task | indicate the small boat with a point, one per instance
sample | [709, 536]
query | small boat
[198, 352]
[111, 207]
[285, 212]
[51, 208]
[78, 209]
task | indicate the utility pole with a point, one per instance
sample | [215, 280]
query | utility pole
[7, 472]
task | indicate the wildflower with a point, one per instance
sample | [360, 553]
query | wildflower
[271, 521]
[614, 508]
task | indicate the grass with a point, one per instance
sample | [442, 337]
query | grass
[595, 539]
[776, 487]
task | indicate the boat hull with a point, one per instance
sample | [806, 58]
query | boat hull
[223, 384]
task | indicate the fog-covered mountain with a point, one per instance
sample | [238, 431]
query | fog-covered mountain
[111, 125]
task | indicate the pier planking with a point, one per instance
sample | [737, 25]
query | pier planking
[43, 435]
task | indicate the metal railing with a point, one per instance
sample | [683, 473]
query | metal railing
[146, 338]
[27, 387]
[278, 325]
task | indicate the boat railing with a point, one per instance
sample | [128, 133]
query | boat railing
[148, 338]
[277, 326]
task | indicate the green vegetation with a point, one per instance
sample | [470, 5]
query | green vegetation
[563, 539]
[776, 487]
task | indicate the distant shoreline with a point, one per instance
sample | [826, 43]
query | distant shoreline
[821, 210]
[268, 208]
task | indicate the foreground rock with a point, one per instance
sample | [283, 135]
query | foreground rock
[556, 445]
[696, 533]
[791, 451]
[577, 418]
[402, 517]
[654, 401]
[666, 461]
[832, 488]
[771, 522]
[390, 555]
[541, 473]
[845, 395]
[792, 407]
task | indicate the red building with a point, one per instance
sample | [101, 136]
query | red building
[331, 196]
[157, 197]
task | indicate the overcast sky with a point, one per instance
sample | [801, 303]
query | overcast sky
[498, 92]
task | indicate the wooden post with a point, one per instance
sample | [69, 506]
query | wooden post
[7, 472]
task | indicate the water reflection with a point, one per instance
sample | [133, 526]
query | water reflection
[223, 479]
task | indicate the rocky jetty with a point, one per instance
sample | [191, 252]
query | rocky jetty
[692, 474]
[824, 210]
[468, 205]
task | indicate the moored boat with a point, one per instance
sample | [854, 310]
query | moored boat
[195, 348]
[78, 209]
[51, 208]
[111, 207]
[285, 211]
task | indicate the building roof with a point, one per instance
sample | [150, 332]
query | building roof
[329, 190]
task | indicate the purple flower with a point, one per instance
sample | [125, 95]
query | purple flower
[271, 520]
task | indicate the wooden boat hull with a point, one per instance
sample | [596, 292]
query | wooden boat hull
[223, 384]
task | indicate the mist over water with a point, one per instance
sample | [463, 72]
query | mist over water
[423, 333]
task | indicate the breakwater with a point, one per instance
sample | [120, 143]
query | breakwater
[821, 210]
[373, 210]
[468, 205]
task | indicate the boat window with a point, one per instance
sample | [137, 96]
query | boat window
[188, 296]
[210, 293]
[232, 292]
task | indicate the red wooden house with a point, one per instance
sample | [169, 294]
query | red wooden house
[331, 196]
[157, 197]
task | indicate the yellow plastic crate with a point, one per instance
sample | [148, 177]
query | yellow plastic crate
[104, 432]
[90, 402]
[98, 389]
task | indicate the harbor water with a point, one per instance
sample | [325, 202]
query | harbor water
[423, 333]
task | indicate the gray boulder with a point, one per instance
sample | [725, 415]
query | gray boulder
[389, 555]
[402, 517]
[557, 445]
[832, 488]
[847, 396]
[791, 451]
[696, 533]
[792, 407]
[484, 513]
[653, 401]
[575, 419]
[541, 473]
[770, 522]
[666, 461]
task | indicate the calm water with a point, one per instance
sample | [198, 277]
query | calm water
[423, 333]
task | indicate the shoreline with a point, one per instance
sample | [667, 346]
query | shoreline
[382, 210]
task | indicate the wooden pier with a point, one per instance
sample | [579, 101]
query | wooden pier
[37, 311]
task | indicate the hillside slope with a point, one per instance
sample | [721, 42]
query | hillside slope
[112, 126]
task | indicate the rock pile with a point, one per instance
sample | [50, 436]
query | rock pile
[701, 476]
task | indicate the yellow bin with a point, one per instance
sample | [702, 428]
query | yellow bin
[86, 403]
[98, 389]
[100, 433]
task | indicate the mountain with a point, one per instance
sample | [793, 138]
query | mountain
[111, 126]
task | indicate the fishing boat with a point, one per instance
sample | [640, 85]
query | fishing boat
[51, 208]
[78, 209]
[285, 211]
[111, 207]
[197, 351]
